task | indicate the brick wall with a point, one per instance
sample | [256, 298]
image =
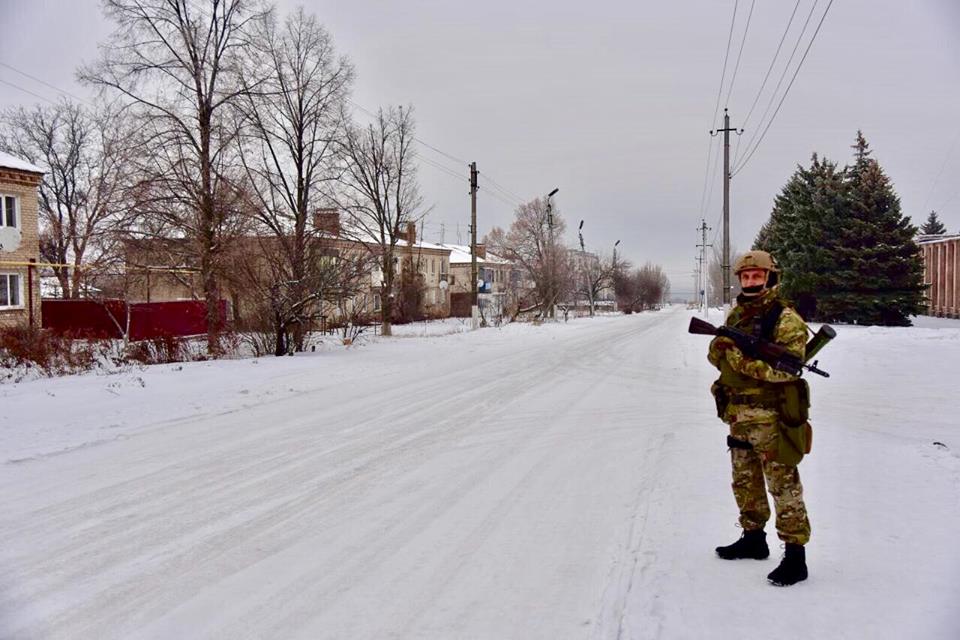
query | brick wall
[941, 266]
[24, 185]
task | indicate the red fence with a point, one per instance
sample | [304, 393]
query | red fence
[147, 319]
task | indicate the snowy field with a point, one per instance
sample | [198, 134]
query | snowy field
[552, 482]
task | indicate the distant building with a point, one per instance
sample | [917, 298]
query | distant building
[941, 265]
[499, 281]
[19, 242]
[160, 270]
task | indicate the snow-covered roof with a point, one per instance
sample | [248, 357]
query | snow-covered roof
[460, 254]
[927, 239]
[8, 161]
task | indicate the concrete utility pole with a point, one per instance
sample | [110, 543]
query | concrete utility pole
[587, 269]
[473, 234]
[725, 267]
[701, 273]
[552, 257]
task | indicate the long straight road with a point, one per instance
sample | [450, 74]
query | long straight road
[564, 481]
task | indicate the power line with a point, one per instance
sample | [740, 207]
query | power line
[940, 174]
[736, 67]
[506, 193]
[787, 91]
[36, 95]
[783, 75]
[46, 84]
[706, 176]
[443, 153]
[776, 55]
[713, 179]
[726, 56]
[502, 188]
[420, 140]
[440, 167]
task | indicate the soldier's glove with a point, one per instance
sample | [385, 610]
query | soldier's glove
[722, 343]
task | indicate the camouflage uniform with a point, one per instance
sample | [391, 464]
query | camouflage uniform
[752, 420]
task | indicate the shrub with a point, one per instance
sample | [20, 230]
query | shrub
[45, 351]
[162, 349]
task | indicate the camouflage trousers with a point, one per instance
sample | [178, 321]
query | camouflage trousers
[751, 469]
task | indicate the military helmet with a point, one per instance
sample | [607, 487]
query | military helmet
[755, 260]
[759, 260]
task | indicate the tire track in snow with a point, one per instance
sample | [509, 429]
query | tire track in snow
[125, 540]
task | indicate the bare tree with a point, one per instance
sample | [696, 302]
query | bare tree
[533, 243]
[337, 277]
[292, 126]
[380, 193]
[641, 288]
[81, 195]
[176, 63]
[596, 275]
[715, 277]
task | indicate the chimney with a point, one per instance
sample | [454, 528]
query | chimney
[327, 221]
[412, 233]
[481, 251]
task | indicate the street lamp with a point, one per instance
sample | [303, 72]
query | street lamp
[586, 269]
[553, 259]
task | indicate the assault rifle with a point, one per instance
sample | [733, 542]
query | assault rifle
[773, 354]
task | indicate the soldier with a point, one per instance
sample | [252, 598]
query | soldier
[749, 393]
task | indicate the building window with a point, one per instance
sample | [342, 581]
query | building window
[10, 294]
[376, 302]
[9, 213]
[433, 265]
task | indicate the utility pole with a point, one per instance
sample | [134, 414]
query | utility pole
[701, 273]
[725, 267]
[552, 258]
[473, 234]
[587, 269]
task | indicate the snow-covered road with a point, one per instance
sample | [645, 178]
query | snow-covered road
[563, 481]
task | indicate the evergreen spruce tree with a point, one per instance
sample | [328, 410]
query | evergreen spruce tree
[843, 242]
[802, 229]
[933, 226]
[878, 274]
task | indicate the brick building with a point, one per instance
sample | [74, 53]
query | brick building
[19, 242]
[941, 264]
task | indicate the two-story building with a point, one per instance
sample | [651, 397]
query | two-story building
[500, 283]
[19, 242]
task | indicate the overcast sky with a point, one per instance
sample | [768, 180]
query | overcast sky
[611, 102]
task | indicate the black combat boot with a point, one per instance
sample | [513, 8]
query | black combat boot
[752, 544]
[793, 567]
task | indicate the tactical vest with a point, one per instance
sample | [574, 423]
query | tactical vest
[762, 324]
[791, 400]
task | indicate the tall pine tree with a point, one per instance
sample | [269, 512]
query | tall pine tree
[842, 240]
[801, 229]
[933, 226]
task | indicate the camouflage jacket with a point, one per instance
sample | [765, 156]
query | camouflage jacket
[744, 376]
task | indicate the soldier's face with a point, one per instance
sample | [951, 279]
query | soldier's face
[752, 281]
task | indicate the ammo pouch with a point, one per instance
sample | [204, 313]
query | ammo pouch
[794, 402]
[721, 397]
[793, 443]
[794, 430]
